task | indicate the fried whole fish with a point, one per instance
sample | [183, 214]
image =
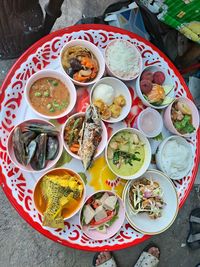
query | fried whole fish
[90, 136]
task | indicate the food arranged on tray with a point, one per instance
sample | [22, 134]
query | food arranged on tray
[123, 60]
[108, 104]
[155, 88]
[151, 202]
[145, 195]
[34, 144]
[85, 136]
[80, 63]
[149, 199]
[49, 96]
[72, 132]
[102, 215]
[128, 153]
[181, 116]
[174, 157]
[152, 87]
[112, 99]
[58, 195]
[125, 153]
[100, 212]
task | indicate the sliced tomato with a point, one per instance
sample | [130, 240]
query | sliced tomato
[109, 212]
[89, 201]
[102, 221]
[95, 204]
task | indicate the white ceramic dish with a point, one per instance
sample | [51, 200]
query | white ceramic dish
[120, 89]
[69, 171]
[168, 81]
[57, 75]
[101, 146]
[160, 158]
[133, 74]
[113, 229]
[152, 120]
[142, 222]
[97, 53]
[147, 158]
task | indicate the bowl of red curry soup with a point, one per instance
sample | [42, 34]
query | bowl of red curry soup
[50, 94]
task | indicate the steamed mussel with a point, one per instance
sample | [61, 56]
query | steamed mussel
[35, 144]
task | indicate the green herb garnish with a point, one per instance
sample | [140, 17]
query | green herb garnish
[184, 126]
[38, 94]
[52, 109]
[46, 93]
[127, 157]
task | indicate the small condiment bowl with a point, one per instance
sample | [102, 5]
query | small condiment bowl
[113, 229]
[133, 73]
[153, 120]
[120, 89]
[168, 81]
[101, 146]
[161, 159]
[141, 222]
[57, 171]
[95, 51]
[56, 75]
[195, 117]
[28, 168]
[147, 157]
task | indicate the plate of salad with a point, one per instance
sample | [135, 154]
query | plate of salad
[151, 202]
[102, 215]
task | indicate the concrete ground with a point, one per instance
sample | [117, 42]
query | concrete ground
[22, 246]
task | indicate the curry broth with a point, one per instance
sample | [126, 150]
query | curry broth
[41, 203]
[49, 96]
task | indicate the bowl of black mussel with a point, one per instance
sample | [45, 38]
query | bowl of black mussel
[34, 145]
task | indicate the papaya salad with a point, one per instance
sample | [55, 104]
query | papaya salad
[100, 212]
[146, 195]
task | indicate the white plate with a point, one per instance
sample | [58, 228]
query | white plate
[142, 222]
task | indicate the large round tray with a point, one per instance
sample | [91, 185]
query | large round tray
[18, 186]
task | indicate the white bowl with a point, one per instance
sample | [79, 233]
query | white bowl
[97, 53]
[71, 172]
[147, 158]
[120, 89]
[142, 222]
[168, 81]
[160, 159]
[155, 122]
[100, 147]
[111, 72]
[57, 75]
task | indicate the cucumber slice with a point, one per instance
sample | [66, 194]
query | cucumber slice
[168, 100]
[167, 88]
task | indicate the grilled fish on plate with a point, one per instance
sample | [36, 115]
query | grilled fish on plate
[90, 136]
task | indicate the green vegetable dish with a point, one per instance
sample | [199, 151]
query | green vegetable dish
[182, 118]
[125, 153]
